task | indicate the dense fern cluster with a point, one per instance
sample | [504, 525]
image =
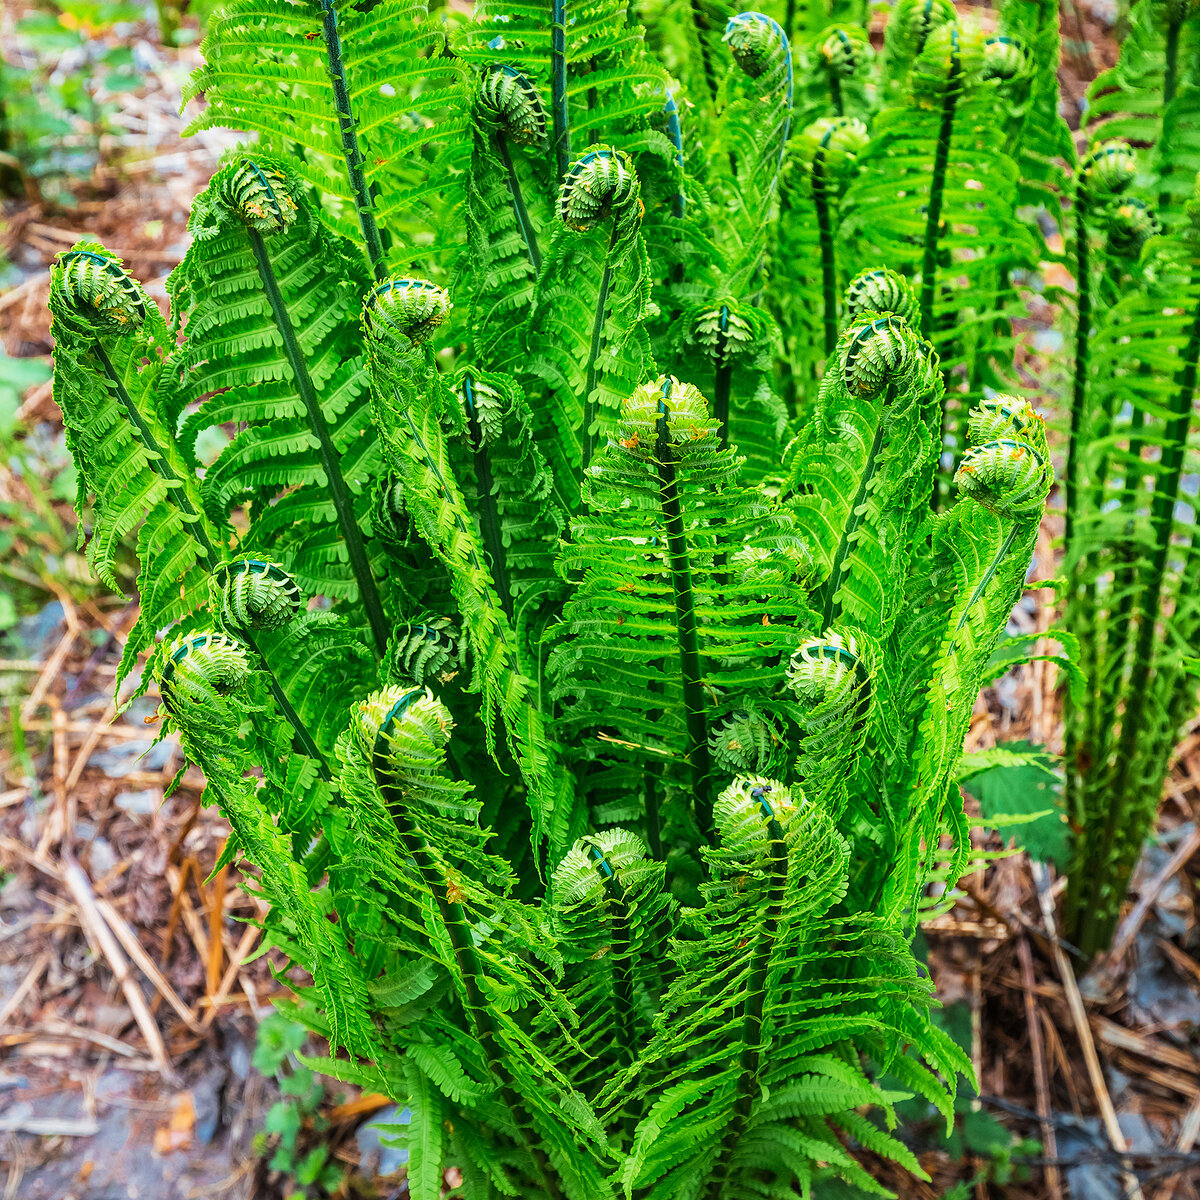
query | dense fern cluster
[1132, 522]
[534, 480]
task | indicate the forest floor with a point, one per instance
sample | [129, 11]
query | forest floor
[129, 991]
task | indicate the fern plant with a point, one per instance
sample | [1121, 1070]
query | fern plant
[557, 611]
[1130, 503]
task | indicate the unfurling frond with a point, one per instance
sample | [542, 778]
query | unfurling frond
[1108, 170]
[1131, 224]
[881, 290]
[1008, 478]
[251, 594]
[759, 47]
[601, 183]
[427, 652]
[1005, 59]
[508, 99]
[98, 291]
[198, 669]
[401, 313]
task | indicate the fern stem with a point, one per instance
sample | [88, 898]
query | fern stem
[305, 739]
[158, 461]
[937, 189]
[853, 521]
[518, 203]
[621, 953]
[835, 92]
[338, 491]
[698, 753]
[752, 1020]
[722, 381]
[828, 262]
[558, 86]
[589, 435]
[1100, 916]
[454, 922]
[489, 516]
[653, 819]
[700, 21]
[351, 151]
[1079, 389]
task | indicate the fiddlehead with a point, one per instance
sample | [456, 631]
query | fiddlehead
[1006, 60]
[259, 195]
[99, 293]
[1131, 225]
[110, 343]
[845, 52]
[881, 290]
[250, 594]
[832, 686]
[426, 652]
[748, 742]
[402, 313]
[1007, 477]
[600, 185]
[199, 669]
[608, 907]
[390, 521]
[753, 817]
[723, 334]
[910, 25]
[759, 47]
[509, 103]
[873, 424]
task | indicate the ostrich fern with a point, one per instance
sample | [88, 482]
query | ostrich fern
[562, 625]
[1132, 523]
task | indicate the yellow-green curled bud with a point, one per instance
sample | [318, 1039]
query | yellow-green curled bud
[1006, 60]
[252, 594]
[510, 101]
[828, 676]
[94, 286]
[748, 743]
[678, 410]
[1005, 416]
[844, 49]
[426, 652]
[881, 290]
[1130, 226]
[1007, 477]
[750, 814]
[598, 184]
[402, 730]
[401, 313]
[260, 194]
[1108, 170]
[390, 521]
[877, 353]
[757, 43]
[200, 668]
[721, 333]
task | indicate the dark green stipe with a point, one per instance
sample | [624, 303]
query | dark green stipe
[338, 491]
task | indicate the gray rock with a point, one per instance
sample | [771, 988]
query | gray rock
[373, 1137]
